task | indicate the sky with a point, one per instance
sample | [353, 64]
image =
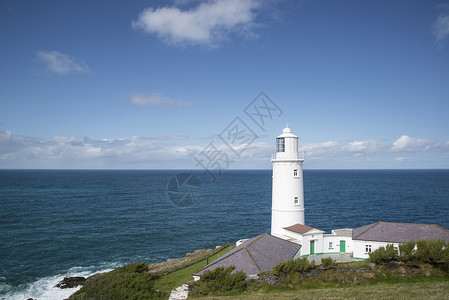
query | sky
[190, 84]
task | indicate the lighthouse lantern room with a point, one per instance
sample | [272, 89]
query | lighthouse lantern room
[288, 192]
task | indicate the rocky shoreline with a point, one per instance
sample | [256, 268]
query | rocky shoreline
[157, 269]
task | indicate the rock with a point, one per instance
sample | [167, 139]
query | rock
[71, 282]
[180, 293]
[270, 279]
[93, 277]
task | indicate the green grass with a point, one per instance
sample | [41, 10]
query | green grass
[133, 282]
[425, 289]
[172, 280]
[356, 280]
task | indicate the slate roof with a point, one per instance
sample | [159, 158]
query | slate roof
[343, 232]
[255, 255]
[400, 232]
[299, 228]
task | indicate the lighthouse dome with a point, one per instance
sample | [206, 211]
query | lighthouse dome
[287, 132]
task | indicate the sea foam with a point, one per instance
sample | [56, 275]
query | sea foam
[44, 288]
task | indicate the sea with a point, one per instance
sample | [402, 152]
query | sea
[58, 223]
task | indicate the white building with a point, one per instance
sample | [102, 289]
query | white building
[288, 222]
[370, 237]
[288, 194]
[290, 238]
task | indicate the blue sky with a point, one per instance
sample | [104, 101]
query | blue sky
[155, 84]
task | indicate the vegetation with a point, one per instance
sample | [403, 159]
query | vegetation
[294, 266]
[341, 281]
[433, 252]
[140, 281]
[220, 280]
[327, 262]
[422, 264]
[127, 282]
[384, 255]
[426, 289]
[419, 269]
[174, 279]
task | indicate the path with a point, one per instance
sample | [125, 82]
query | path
[180, 293]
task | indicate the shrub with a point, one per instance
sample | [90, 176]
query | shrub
[127, 282]
[219, 280]
[432, 251]
[294, 266]
[425, 251]
[327, 262]
[384, 255]
[407, 251]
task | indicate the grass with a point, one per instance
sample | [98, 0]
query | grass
[339, 282]
[172, 280]
[356, 280]
[134, 282]
[426, 289]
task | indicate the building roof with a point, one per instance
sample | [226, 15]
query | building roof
[400, 232]
[342, 232]
[299, 228]
[255, 255]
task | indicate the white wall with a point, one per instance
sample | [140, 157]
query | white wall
[335, 239]
[360, 247]
[304, 240]
[286, 187]
[313, 235]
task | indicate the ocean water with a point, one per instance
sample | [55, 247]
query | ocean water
[57, 223]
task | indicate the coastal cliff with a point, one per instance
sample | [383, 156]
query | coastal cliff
[139, 280]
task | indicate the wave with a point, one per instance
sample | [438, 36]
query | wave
[44, 288]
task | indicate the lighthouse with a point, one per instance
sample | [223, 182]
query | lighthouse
[288, 193]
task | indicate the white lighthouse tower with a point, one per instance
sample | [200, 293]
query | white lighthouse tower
[288, 193]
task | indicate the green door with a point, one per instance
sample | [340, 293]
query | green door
[312, 247]
[342, 246]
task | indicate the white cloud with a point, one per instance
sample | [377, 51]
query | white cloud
[177, 152]
[206, 24]
[73, 152]
[319, 149]
[406, 143]
[62, 64]
[441, 26]
[360, 146]
[157, 100]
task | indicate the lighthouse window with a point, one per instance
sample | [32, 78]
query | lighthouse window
[296, 201]
[280, 145]
[295, 173]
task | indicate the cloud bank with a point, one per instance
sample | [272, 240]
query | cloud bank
[84, 153]
[406, 143]
[177, 152]
[62, 64]
[206, 24]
